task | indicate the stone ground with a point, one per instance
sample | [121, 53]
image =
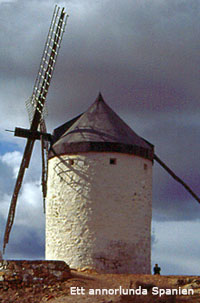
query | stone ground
[59, 291]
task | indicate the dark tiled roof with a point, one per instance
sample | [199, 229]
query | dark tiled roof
[99, 129]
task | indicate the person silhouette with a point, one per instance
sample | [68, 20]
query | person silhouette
[156, 269]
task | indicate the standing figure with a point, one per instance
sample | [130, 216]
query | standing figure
[156, 269]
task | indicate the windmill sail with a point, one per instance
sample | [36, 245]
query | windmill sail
[176, 178]
[45, 73]
[37, 102]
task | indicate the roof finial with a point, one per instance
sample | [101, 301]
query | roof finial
[100, 98]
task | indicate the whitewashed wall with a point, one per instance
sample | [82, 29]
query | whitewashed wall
[98, 215]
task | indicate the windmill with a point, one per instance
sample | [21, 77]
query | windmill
[99, 198]
[36, 110]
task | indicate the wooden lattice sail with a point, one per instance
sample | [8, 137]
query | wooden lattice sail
[36, 111]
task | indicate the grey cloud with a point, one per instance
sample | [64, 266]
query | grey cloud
[178, 146]
[140, 58]
[27, 236]
[6, 184]
[25, 245]
[132, 51]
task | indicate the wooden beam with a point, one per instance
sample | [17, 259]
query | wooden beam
[176, 178]
[35, 135]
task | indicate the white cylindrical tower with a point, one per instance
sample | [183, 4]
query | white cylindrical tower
[99, 199]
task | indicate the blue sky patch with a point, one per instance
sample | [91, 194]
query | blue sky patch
[6, 147]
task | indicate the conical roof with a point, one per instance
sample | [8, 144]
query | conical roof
[99, 129]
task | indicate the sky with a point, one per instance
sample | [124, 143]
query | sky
[143, 55]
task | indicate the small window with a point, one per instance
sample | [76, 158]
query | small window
[71, 162]
[145, 166]
[113, 161]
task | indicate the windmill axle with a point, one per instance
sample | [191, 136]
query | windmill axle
[35, 135]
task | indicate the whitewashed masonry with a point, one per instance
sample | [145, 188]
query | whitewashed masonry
[99, 203]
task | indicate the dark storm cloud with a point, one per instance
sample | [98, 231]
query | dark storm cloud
[21, 48]
[31, 246]
[178, 146]
[25, 242]
[23, 29]
[141, 54]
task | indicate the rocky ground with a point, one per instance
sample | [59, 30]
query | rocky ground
[59, 291]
